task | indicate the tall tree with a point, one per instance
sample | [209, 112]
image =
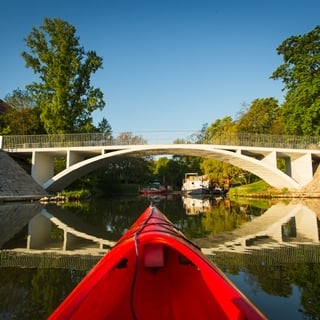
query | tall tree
[221, 173]
[300, 73]
[64, 94]
[105, 127]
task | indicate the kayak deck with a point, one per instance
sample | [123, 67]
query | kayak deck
[154, 272]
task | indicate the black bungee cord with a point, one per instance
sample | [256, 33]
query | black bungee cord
[133, 284]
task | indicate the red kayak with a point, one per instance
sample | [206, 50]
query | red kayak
[154, 273]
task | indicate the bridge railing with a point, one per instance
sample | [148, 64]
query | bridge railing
[57, 140]
[266, 140]
[11, 142]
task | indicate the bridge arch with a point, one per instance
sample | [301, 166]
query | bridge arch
[263, 166]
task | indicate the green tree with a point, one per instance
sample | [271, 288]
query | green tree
[131, 170]
[23, 117]
[221, 131]
[262, 117]
[221, 173]
[160, 167]
[171, 170]
[64, 94]
[300, 73]
[179, 165]
[105, 127]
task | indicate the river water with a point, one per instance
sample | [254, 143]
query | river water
[269, 250]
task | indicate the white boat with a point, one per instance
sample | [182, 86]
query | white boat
[193, 184]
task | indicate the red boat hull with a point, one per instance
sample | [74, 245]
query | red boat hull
[154, 272]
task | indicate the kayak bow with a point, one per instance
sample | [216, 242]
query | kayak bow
[155, 272]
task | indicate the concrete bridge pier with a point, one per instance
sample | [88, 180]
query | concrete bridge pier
[42, 166]
[302, 170]
[298, 166]
[270, 159]
[307, 225]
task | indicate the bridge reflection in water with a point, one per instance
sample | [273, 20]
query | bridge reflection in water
[293, 227]
[274, 257]
[280, 225]
[39, 236]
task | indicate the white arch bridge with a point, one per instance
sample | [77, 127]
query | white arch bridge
[85, 153]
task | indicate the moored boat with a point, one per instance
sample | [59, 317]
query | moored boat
[155, 187]
[155, 272]
[193, 184]
[152, 190]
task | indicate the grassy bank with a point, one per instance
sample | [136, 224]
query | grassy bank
[259, 189]
[262, 190]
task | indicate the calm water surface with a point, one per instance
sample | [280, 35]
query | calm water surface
[270, 251]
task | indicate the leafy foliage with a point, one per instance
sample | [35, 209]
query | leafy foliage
[64, 94]
[220, 173]
[222, 220]
[219, 129]
[263, 116]
[23, 117]
[300, 73]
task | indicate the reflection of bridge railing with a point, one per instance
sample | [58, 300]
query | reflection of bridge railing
[42, 259]
[57, 260]
[101, 139]
[283, 254]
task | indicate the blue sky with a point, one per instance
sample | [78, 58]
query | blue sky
[168, 65]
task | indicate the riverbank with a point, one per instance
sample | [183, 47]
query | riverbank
[286, 195]
[262, 190]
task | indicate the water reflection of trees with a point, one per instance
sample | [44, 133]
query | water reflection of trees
[228, 218]
[117, 214]
[307, 277]
[35, 293]
[278, 278]
[112, 216]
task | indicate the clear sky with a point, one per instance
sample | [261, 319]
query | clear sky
[168, 64]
